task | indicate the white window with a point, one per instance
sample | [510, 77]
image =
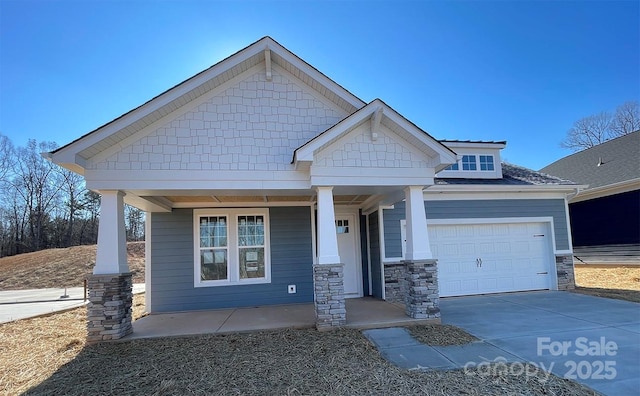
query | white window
[453, 167]
[231, 247]
[469, 162]
[473, 163]
[486, 163]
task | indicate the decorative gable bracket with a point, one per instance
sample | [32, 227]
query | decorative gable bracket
[375, 123]
[267, 61]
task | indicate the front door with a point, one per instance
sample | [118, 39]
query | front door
[347, 231]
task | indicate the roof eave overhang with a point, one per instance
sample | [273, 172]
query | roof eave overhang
[605, 191]
[462, 144]
[454, 188]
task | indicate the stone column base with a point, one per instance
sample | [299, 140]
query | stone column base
[422, 297]
[565, 272]
[109, 311]
[328, 281]
[394, 282]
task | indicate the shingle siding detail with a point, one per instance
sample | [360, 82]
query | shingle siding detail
[253, 125]
[359, 150]
[172, 264]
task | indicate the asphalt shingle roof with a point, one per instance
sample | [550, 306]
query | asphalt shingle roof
[619, 161]
[512, 175]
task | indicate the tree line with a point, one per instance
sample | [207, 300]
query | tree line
[44, 206]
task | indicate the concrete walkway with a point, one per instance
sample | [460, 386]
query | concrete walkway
[24, 304]
[591, 340]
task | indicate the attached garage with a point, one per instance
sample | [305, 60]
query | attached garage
[493, 257]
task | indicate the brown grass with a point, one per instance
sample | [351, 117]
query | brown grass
[67, 267]
[608, 276]
[621, 282]
[48, 356]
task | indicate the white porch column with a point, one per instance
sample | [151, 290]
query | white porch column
[112, 243]
[418, 247]
[327, 238]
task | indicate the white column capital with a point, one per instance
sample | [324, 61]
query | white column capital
[111, 257]
[418, 247]
[324, 188]
[327, 238]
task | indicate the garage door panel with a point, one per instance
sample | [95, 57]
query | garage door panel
[486, 248]
[512, 257]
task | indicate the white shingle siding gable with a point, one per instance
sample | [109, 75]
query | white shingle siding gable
[253, 125]
[357, 149]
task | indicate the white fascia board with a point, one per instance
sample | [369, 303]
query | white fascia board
[197, 180]
[327, 176]
[445, 154]
[438, 193]
[248, 204]
[475, 146]
[306, 152]
[160, 101]
[604, 191]
[315, 74]
[366, 181]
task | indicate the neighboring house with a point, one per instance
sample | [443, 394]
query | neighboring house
[265, 182]
[605, 217]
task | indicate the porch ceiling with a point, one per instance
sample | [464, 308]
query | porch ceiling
[338, 199]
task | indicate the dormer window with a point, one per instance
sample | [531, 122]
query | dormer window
[486, 163]
[469, 163]
[476, 160]
[473, 162]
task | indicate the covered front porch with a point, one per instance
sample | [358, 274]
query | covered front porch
[363, 313]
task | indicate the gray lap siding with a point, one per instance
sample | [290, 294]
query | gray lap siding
[479, 209]
[172, 264]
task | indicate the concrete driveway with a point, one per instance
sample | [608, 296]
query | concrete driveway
[591, 340]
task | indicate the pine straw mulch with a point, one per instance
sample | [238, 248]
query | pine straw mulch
[283, 362]
[48, 356]
[59, 268]
[31, 350]
[440, 335]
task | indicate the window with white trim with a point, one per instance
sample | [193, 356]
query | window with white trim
[486, 163]
[231, 247]
[469, 162]
[473, 163]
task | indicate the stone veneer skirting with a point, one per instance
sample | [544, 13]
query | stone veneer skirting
[109, 311]
[394, 282]
[565, 272]
[328, 281]
[422, 296]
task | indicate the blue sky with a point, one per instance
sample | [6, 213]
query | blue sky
[520, 71]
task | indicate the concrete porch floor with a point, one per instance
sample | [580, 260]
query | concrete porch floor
[362, 313]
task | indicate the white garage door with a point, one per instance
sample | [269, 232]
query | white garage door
[492, 258]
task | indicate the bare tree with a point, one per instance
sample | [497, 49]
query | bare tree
[588, 132]
[626, 119]
[38, 187]
[6, 157]
[73, 188]
[134, 221]
[598, 128]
